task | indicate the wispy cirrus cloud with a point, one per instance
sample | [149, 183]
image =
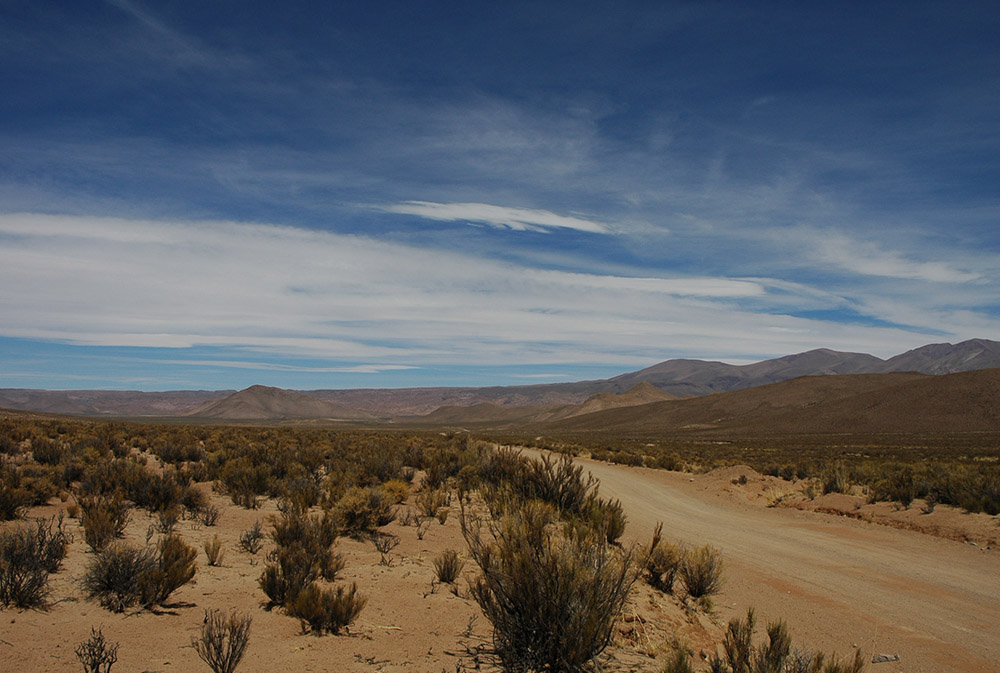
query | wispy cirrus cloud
[872, 259]
[279, 367]
[352, 303]
[518, 219]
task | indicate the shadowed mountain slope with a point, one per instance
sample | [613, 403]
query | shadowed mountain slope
[868, 403]
[946, 358]
[261, 403]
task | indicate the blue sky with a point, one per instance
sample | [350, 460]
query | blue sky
[334, 195]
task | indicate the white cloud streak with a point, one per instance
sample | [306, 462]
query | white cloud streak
[518, 219]
[355, 301]
[867, 258]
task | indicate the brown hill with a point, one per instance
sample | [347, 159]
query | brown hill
[871, 403]
[110, 402]
[263, 403]
[494, 414]
[643, 393]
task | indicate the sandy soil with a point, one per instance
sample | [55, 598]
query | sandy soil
[840, 582]
[409, 624]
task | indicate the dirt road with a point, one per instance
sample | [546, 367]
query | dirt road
[838, 582]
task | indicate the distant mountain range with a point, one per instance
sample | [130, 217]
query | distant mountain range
[560, 402]
[902, 402]
[266, 403]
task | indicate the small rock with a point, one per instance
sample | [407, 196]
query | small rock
[882, 658]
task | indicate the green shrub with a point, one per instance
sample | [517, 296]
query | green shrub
[158, 492]
[626, 458]
[40, 481]
[287, 573]
[552, 600]
[298, 494]
[223, 640]
[330, 610]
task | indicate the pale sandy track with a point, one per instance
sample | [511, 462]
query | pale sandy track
[837, 581]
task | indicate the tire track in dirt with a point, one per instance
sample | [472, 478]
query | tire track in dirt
[837, 581]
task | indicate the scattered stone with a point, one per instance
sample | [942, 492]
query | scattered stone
[882, 658]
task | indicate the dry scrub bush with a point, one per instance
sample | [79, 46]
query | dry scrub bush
[27, 555]
[662, 563]
[396, 490]
[214, 551]
[14, 499]
[384, 543]
[608, 517]
[552, 599]
[313, 534]
[740, 655]
[209, 515]
[175, 567]
[96, 654]
[252, 539]
[327, 610]
[114, 574]
[678, 662]
[362, 510]
[701, 571]
[558, 482]
[223, 640]
[304, 554]
[244, 481]
[122, 576]
[447, 566]
[166, 520]
[429, 502]
[298, 491]
[288, 572]
[104, 519]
